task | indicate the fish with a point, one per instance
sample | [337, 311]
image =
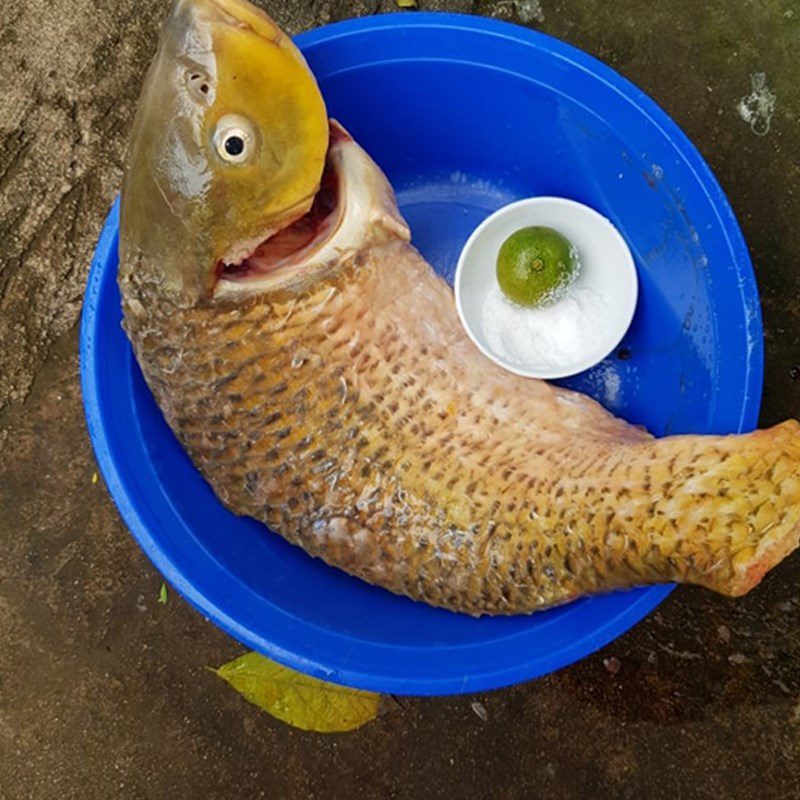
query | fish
[313, 366]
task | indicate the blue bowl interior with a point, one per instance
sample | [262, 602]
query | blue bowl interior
[464, 115]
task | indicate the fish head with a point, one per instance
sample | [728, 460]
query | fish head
[228, 146]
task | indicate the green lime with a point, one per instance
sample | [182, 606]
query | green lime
[535, 266]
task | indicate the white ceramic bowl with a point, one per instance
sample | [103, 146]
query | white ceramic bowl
[607, 268]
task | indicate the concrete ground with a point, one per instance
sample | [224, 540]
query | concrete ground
[104, 692]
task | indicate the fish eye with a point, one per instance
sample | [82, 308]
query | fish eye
[234, 139]
[234, 145]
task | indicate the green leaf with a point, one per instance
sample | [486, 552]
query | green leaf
[162, 594]
[297, 699]
[406, 3]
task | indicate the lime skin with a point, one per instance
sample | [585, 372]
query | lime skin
[535, 265]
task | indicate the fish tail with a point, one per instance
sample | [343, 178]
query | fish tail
[775, 509]
[734, 508]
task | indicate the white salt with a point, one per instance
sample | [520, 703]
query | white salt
[606, 384]
[554, 336]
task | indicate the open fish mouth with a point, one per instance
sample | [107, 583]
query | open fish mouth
[300, 240]
[353, 208]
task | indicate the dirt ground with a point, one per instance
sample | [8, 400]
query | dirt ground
[104, 692]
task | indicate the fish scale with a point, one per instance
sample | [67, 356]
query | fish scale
[437, 475]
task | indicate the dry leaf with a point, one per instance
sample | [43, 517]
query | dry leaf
[297, 699]
[406, 3]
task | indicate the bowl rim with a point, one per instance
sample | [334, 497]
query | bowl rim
[627, 268]
[388, 680]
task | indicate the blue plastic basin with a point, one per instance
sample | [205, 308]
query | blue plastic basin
[464, 114]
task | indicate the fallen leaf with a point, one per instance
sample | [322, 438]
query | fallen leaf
[299, 700]
[406, 3]
[162, 594]
[94, 477]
